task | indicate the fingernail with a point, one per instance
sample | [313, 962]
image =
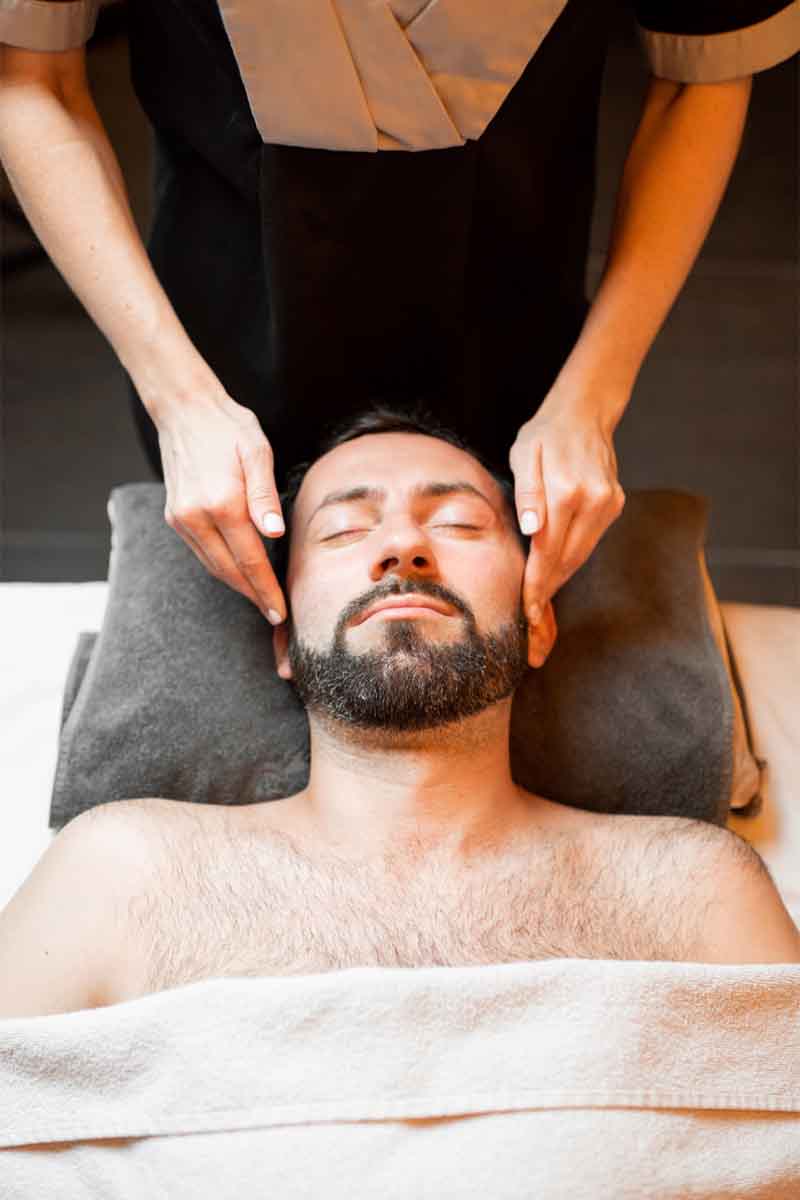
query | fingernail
[529, 522]
[273, 523]
[274, 617]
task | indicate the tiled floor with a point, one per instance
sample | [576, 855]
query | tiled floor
[716, 408]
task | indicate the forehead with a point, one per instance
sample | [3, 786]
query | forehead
[394, 461]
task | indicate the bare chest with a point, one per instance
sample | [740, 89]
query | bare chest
[255, 907]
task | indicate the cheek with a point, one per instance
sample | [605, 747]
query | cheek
[503, 574]
[317, 604]
[492, 586]
[511, 584]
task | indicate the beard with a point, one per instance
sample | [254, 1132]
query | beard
[411, 681]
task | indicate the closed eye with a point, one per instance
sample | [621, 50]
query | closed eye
[447, 525]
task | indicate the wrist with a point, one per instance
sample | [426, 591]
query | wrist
[585, 397]
[169, 373]
[604, 362]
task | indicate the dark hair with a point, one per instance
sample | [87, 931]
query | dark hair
[381, 417]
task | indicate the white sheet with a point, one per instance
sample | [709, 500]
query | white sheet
[567, 1079]
[40, 623]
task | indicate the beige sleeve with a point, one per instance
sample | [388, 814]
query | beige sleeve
[47, 24]
[711, 44]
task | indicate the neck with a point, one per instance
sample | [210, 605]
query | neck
[445, 791]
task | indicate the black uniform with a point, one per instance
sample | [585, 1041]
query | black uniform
[447, 254]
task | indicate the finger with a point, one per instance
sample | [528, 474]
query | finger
[585, 531]
[263, 500]
[244, 546]
[529, 493]
[581, 539]
[196, 548]
[545, 553]
[216, 556]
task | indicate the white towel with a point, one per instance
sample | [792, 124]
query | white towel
[557, 1078]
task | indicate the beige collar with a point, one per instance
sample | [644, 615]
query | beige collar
[379, 75]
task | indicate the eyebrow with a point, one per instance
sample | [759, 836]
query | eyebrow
[425, 490]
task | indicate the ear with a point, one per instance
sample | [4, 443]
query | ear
[280, 646]
[541, 636]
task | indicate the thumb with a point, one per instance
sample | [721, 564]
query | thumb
[529, 496]
[263, 501]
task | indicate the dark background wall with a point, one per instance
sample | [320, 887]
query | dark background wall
[715, 410]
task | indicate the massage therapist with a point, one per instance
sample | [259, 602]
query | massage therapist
[360, 199]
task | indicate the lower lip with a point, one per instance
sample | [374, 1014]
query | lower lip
[406, 611]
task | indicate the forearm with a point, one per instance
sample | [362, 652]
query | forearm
[673, 182]
[66, 176]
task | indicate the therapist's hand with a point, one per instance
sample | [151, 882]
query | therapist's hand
[565, 471]
[218, 472]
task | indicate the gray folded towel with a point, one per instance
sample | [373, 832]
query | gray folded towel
[634, 711]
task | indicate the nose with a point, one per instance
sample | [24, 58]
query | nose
[404, 549]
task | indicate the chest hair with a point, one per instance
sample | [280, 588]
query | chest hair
[246, 905]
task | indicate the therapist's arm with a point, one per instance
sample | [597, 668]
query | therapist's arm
[65, 174]
[675, 175]
[62, 932]
[216, 458]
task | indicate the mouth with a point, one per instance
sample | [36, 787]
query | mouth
[406, 606]
[405, 610]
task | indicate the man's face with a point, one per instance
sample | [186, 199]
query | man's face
[418, 669]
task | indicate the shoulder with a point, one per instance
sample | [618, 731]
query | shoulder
[664, 837]
[124, 841]
[67, 936]
[706, 880]
[147, 832]
[744, 917]
[155, 849]
[134, 848]
[64, 929]
[682, 848]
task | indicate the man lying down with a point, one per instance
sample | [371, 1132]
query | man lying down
[411, 844]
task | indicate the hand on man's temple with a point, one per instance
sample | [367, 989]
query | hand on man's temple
[565, 473]
[218, 471]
